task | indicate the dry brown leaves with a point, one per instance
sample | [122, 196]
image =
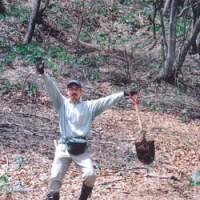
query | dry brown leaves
[27, 151]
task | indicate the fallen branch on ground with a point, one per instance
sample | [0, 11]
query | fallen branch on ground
[163, 177]
[110, 182]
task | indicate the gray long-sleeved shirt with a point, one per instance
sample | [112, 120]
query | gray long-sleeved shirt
[75, 119]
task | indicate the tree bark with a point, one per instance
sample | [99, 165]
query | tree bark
[2, 7]
[166, 72]
[195, 4]
[163, 37]
[44, 6]
[32, 21]
[42, 10]
[187, 45]
[166, 6]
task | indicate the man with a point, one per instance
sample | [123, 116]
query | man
[75, 119]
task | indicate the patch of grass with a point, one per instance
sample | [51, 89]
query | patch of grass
[60, 53]
[59, 15]
[5, 185]
[197, 80]
[115, 8]
[101, 37]
[180, 89]
[76, 4]
[103, 58]
[2, 16]
[95, 75]
[7, 60]
[29, 52]
[180, 28]
[31, 88]
[150, 105]
[102, 11]
[127, 2]
[85, 35]
[92, 73]
[90, 65]
[84, 60]
[129, 18]
[157, 27]
[55, 55]
[184, 118]
[52, 65]
[6, 54]
[5, 86]
[97, 9]
[154, 65]
[18, 11]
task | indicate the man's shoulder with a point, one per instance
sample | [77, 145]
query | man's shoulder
[66, 100]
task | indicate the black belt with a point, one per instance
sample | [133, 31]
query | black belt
[64, 140]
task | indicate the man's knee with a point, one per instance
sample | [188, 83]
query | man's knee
[89, 178]
[54, 185]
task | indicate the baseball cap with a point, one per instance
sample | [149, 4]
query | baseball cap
[74, 82]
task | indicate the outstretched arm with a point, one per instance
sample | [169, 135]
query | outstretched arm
[53, 92]
[51, 87]
[100, 105]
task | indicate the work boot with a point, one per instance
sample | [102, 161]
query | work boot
[85, 192]
[53, 196]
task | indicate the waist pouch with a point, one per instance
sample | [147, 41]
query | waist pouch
[76, 146]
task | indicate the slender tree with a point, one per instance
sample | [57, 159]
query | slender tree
[174, 56]
[2, 7]
[36, 17]
[32, 21]
[195, 47]
[166, 72]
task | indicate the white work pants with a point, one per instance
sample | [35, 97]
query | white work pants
[61, 162]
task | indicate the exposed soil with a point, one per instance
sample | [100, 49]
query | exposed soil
[170, 115]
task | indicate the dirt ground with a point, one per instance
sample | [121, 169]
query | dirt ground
[29, 124]
[27, 149]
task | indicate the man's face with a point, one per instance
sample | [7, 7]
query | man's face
[74, 92]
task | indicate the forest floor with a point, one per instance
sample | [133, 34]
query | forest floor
[29, 128]
[29, 124]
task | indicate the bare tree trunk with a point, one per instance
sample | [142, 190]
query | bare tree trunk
[166, 6]
[2, 7]
[196, 14]
[166, 72]
[187, 45]
[163, 37]
[32, 21]
[42, 10]
[44, 6]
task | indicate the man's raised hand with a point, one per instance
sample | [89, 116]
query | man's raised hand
[39, 63]
[130, 92]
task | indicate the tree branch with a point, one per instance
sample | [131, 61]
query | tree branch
[2, 7]
[172, 32]
[164, 40]
[32, 21]
[166, 6]
[166, 72]
[187, 45]
[41, 11]
[44, 7]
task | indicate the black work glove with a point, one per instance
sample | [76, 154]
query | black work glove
[130, 92]
[39, 66]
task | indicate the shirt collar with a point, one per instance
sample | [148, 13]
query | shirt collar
[75, 102]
